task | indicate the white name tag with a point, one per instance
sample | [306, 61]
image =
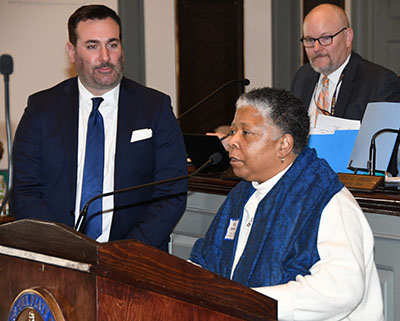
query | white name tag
[231, 230]
[141, 134]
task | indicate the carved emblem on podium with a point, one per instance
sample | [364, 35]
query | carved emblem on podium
[35, 304]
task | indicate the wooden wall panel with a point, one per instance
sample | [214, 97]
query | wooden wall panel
[210, 53]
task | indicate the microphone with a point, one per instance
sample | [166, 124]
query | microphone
[6, 69]
[6, 66]
[372, 149]
[214, 159]
[244, 81]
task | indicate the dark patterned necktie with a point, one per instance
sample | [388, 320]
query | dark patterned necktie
[93, 172]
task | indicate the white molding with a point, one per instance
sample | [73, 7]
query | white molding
[37, 257]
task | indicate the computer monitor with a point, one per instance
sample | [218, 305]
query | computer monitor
[200, 147]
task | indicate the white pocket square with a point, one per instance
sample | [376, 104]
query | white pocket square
[141, 134]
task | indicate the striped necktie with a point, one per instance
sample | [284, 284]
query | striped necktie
[93, 172]
[323, 97]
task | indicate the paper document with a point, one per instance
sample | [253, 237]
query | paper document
[330, 123]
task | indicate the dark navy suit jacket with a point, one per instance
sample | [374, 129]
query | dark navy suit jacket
[45, 162]
[363, 82]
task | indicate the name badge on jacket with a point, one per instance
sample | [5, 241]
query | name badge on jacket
[141, 134]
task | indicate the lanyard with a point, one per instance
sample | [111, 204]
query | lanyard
[333, 104]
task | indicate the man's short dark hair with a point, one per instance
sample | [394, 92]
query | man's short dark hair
[284, 109]
[90, 12]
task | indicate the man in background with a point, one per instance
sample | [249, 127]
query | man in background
[338, 81]
[96, 133]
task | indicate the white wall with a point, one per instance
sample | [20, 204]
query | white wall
[159, 29]
[258, 42]
[34, 33]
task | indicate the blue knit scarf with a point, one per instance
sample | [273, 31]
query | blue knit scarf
[283, 241]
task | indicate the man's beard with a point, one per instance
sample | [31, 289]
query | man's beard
[325, 70]
[93, 79]
[117, 73]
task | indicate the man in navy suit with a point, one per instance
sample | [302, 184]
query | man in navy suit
[353, 82]
[142, 141]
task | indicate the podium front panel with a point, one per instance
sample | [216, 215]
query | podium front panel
[74, 291]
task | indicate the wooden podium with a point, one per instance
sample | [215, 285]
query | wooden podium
[50, 272]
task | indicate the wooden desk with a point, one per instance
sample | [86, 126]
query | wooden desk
[379, 202]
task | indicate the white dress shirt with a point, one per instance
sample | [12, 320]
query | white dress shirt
[334, 83]
[250, 210]
[109, 111]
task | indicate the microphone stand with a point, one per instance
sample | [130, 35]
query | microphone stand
[372, 149]
[8, 127]
[7, 63]
[212, 160]
[367, 182]
[245, 82]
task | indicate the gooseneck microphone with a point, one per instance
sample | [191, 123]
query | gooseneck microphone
[372, 148]
[6, 66]
[6, 69]
[80, 223]
[244, 81]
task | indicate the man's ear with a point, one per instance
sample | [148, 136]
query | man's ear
[286, 146]
[71, 51]
[349, 36]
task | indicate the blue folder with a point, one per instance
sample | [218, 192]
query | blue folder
[335, 148]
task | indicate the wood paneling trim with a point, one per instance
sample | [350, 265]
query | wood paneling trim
[379, 202]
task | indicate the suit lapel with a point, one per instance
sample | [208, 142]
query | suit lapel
[347, 86]
[68, 113]
[309, 89]
[126, 118]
